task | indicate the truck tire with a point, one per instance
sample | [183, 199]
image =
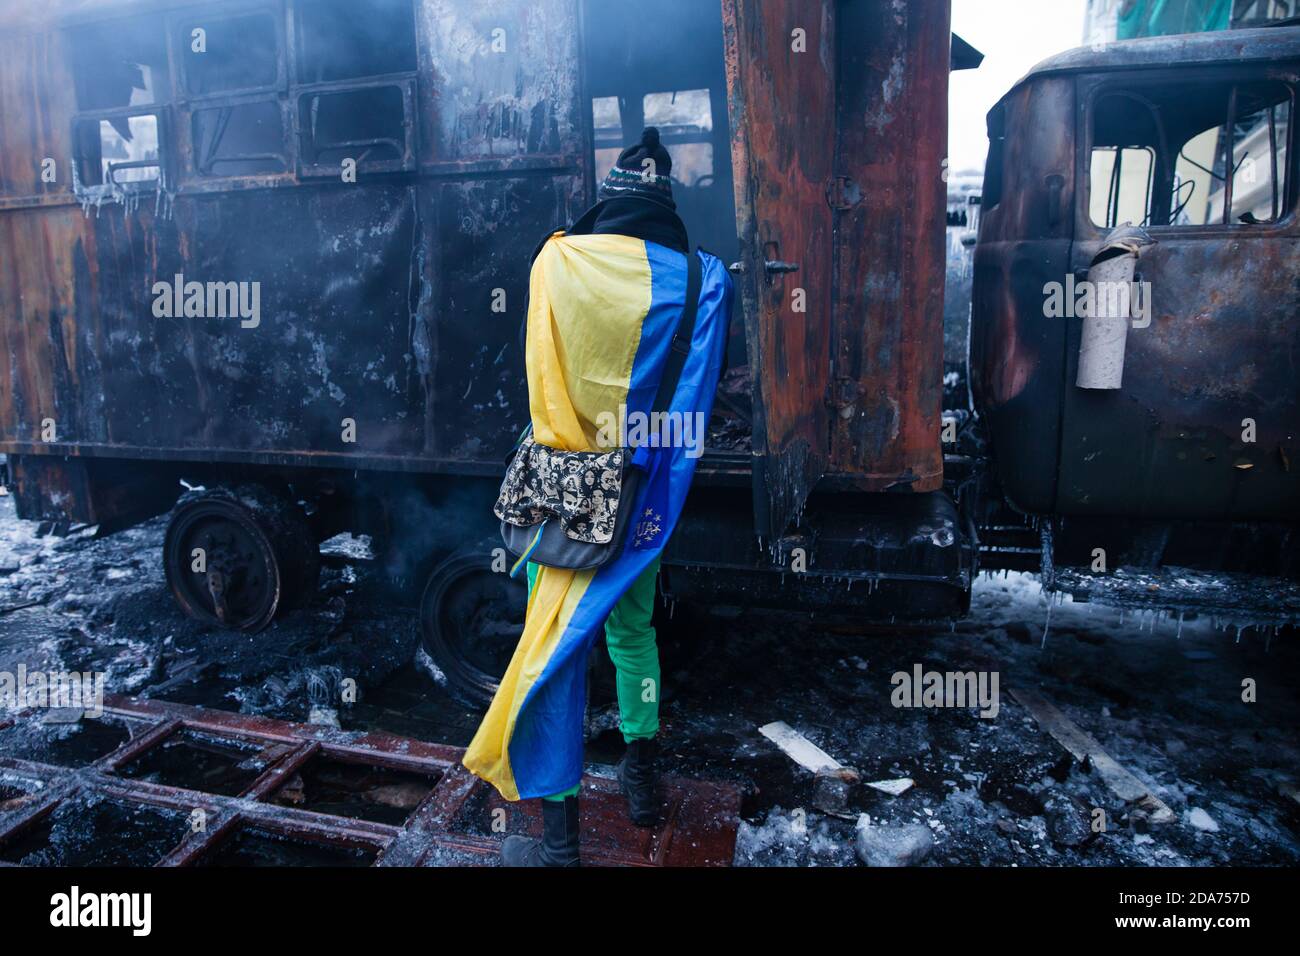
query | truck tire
[471, 617]
[235, 557]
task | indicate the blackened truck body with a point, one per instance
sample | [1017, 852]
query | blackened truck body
[1191, 460]
[277, 249]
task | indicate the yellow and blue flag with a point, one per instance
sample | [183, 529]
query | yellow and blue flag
[601, 316]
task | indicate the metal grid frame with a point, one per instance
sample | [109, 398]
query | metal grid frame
[698, 828]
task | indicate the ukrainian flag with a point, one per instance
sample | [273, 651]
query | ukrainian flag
[601, 316]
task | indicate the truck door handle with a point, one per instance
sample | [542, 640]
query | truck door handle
[1055, 186]
[772, 266]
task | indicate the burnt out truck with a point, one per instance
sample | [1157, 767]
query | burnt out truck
[264, 265]
[1188, 459]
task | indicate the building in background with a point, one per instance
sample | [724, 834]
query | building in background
[1107, 20]
[964, 190]
[964, 187]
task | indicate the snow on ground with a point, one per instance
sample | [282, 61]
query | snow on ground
[1163, 698]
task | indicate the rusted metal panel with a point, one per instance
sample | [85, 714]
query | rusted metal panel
[781, 78]
[503, 80]
[376, 297]
[107, 493]
[40, 381]
[892, 107]
[456, 822]
[1016, 356]
[479, 396]
[34, 88]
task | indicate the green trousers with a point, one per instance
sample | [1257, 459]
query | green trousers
[631, 641]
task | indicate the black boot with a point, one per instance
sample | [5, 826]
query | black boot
[638, 774]
[559, 843]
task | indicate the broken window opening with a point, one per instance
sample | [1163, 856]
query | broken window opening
[370, 125]
[338, 41]
[1260, 131]
[230, 54]
[119, 65]
[240, 139]
[607, 132]
[685, 122]
[1128, 172]
[120, 151]
[1192, 156]
[1196, 177]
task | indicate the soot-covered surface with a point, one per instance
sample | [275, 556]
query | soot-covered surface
[1164, 699]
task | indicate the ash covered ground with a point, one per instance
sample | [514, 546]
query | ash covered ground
[1163, 698]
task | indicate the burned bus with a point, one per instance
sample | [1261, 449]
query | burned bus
[265, 263]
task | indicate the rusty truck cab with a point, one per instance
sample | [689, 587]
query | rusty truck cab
[1192, 458]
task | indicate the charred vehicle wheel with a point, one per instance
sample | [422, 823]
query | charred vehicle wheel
[236, 556]
[470, 621]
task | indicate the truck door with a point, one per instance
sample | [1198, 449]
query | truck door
[1203, 423]
[780, 61]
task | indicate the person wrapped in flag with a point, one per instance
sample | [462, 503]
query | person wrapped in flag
[604, 303]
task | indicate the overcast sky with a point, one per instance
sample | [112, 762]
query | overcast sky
[1013, 35]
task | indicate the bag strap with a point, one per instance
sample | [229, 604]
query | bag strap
[681, 343]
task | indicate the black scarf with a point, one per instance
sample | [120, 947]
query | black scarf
[642, 219]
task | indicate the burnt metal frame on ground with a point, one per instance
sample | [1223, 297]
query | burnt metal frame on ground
[699, 828]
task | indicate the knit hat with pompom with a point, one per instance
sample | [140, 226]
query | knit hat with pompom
[641, 170]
